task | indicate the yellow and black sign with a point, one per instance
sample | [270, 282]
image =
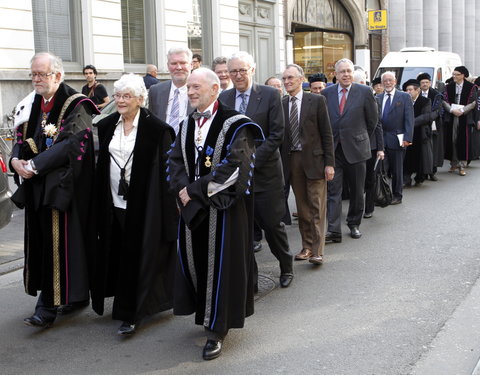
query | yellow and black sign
[377, 19]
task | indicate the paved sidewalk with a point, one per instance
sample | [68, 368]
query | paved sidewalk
[11, 244]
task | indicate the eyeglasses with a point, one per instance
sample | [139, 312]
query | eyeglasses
[236, 71]
[125, 97]
[40, 75]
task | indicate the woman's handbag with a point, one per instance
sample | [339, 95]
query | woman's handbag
[383, 194]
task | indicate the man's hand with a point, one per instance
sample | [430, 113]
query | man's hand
[406, 144]
[478, 125]
[457, 112]
[184, 197]
[380, 155]
[329, 173]
[19, 166]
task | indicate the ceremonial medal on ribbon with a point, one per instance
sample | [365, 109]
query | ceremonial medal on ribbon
[209, 153]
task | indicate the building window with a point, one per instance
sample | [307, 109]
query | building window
[317, 51]
[133, 31]
[199, 29]
[56, 28]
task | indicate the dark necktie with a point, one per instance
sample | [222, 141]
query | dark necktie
[294, 129]
[243, 104]
[386, 109]
[342, 101]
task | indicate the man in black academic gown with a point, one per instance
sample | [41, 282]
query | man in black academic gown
[436, 116]
[419, 156]
[211, 169]
[53, 161]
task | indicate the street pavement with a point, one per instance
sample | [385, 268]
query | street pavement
[403, 299]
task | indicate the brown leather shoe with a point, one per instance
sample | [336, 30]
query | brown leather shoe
[316, 259]
[462, 172]
[304, 254]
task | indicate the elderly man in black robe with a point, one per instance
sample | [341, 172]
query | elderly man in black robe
[53, 161]
[419, 156]
[211, 169]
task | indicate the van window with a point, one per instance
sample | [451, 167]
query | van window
[403, 74]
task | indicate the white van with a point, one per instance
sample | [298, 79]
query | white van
[410, 62]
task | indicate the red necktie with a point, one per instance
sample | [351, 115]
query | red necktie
[343, 100]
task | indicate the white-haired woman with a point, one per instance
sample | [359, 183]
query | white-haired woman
[136, 215]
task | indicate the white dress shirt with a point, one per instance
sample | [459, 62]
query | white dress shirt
[202, 132]
[182, 102]
[120, 147]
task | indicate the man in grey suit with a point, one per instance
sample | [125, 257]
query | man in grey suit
[397, 120]
[263, 105]
[353, 116]
[168, 100]
[308, 160]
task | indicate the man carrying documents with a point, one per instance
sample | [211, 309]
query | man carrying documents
[396, 116]
[460, 99]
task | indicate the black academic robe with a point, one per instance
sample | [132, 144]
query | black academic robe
[419, 155]
[214, 275]
[137, 265]
[438, 135]
[58, 200]
[467, 136]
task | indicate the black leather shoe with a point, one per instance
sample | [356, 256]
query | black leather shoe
[368, 215]
[212, 349]
[257, 246]
[396, 201]
[127, 329]
[286, 280]
[38, 321]
[333, 237]
[355, 232]
[67, 309]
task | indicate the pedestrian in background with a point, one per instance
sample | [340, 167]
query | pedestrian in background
[93, 90]
[150, 78]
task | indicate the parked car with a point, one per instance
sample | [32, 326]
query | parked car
[6, 205]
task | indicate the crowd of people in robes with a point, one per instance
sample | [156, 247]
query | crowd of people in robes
[165, 217]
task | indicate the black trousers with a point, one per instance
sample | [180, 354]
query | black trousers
[395, 166]
[370, 183]
[355, 175]
[269, 208]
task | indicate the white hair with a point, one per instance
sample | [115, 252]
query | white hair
[359, 76]
[341, 61]
[388, 73]
[245, 57]
[297, 67]
[132, 84]
[56, 63]
[177, 50]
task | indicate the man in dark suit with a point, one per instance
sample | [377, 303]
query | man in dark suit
[353, 116]
[263, 105]
[397, 119]
[150, 78]
[436, 116]
[168, 100]
[308, 160]
[419, 156]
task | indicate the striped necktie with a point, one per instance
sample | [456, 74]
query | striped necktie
[175, 112]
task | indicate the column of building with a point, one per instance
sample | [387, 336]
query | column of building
[430, 23]
[414, 23]
[396, 15]
[469, 45]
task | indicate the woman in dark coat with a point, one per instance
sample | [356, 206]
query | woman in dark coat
[137, 216]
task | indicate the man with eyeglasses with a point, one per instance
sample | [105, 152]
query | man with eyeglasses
[263, 105]
[168, 100]
[53, 161]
